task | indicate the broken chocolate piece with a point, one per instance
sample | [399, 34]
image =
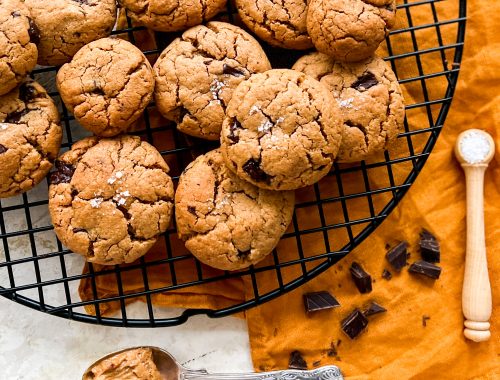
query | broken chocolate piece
[27, 92]
[319, 301]
[2, 149]
[297, 361]
[192, 210]
[361, 278]
[33, 32]
[374, 308]
[398, 255]
[234, 131]
[15, 117]
[252, 168]
[229, 70]
[386, 274]
[243, 254]
[365, 81]
[425, 318]
[426, 269]
[354, 324]
[429, 247]
[15, 14]
[63, 174]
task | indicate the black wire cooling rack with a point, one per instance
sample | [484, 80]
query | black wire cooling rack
[331, 218]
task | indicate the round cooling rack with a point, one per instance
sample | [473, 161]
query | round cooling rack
[331, 218]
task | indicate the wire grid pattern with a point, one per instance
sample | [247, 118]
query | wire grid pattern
[37, 271]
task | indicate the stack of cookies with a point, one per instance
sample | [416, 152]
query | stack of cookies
[111, 197]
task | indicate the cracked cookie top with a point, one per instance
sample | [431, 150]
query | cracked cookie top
[197, 74]
[30, 137]
[18, 38]
[172, 15]
[282, 130]
[369, 97]
[110, 199]
[67, 25]
[349, 30]
[226, 222]
[107, 85]
[281, 23]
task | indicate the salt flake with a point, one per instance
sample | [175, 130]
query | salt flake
[96, 202]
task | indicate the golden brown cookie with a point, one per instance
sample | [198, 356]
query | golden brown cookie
[281, 23]
[18, 38]
[67, 25]
[30, 137]
[107, 85]
[197, 74]
[369, 97]
[226, 222]
[349, 30]
[172, 15]
[110, 199]
[282, 131]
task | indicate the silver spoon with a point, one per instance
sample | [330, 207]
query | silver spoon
[171, 370]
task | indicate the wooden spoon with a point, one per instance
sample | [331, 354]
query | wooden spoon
[474, 150]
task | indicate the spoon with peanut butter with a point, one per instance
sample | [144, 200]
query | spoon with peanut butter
[153, 363]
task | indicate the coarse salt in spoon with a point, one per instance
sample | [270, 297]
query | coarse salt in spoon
[474, 150]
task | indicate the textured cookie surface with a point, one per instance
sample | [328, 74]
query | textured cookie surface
[67, 25]
[226, 222]
[281, 23]
[172, 15]
[30, 137]
[197, 74]
[369, 97]
[107, 85]
[349, 30]
[282, 130]
[110, 199]
[18, 38]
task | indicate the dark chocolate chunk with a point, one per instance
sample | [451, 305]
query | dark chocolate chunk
[27, 92]
[192, 210]
[15, 117]
[398, 255]
[2, 149]
[319, 301]
[229, 70]
[63, 174]
[361, 278]
[425, 318]
[429, 247]
[374, 308]
[252, 168]
[234, 131]
[243, 254]
[354, 324]
[297, 361]
[365, 81]
[34, 32]
[386, 274]
[15, 14]
[426, 269]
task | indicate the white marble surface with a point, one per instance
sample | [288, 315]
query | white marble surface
[35, 346]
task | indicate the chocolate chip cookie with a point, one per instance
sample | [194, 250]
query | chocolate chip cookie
[30, 137]
[67, 25]
[110, 199]
[282, 130]
[281, 23]
[226, 222]
[107, 85]
[349, 30]
[369, 97]
[18, 38]
[172, 15]
[197, 74]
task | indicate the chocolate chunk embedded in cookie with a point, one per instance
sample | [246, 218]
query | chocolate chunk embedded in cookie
[172, 15]
[282, 130]
[18, 39]
[369, 97]
[110, 199]
[349, 30]
[107, 85]
[30, 137]
[226, 222]
[197, 74]
[67, 25]
[281, 23]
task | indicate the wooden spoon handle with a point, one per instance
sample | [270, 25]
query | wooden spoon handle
[476, 292]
